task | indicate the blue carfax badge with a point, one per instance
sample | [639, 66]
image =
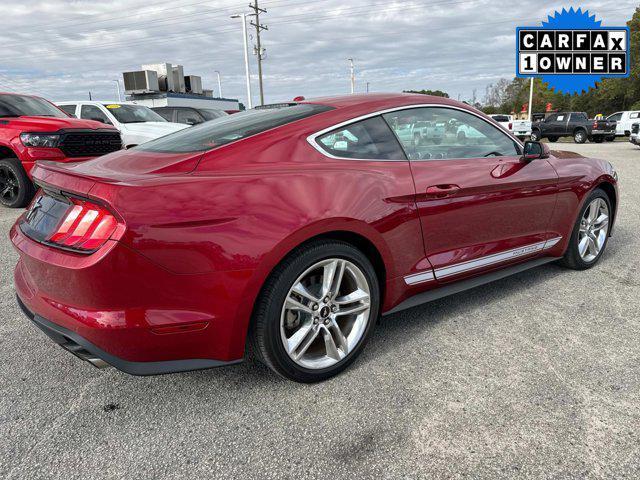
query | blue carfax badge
[572, 51]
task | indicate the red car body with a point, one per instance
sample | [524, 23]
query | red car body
[198, 233]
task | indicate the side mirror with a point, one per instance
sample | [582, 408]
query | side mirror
[535, 151]
[191, 121]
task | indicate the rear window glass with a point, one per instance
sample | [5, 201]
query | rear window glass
[230, 128]
[500, 118]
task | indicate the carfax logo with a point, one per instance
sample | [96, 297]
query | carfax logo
[572, 51]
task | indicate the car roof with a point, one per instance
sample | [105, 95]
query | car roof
[88, 102]
[375, 99]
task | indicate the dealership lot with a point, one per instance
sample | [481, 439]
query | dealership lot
[537, 375]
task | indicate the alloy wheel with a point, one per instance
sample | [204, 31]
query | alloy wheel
[594, 227]
[325, 313]
[9, 186]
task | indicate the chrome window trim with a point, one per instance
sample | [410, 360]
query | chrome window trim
[312, 139]
[486, 261]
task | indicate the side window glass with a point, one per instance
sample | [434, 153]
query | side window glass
[91, 112]
[166, 113]
[442, 133]
[634, 115]
[188, 116]
[367, 139]
[68, 109]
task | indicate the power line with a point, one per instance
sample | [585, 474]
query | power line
[288, 20]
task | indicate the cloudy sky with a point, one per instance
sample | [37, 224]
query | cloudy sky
[61, 49]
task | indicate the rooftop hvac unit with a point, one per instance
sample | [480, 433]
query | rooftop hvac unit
[193, 84]
[165, 76]
[141, 81]
[207, 93]
[178, 79]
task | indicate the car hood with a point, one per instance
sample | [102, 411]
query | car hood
[154, 129]
[52, 124]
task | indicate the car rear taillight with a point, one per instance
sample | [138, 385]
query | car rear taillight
[86, 226]
[510, 126]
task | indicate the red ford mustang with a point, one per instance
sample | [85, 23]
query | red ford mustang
[287, 231]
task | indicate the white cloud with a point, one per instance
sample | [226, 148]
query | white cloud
[64, 49]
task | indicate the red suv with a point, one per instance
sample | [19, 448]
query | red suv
[31, 128]
[293, 228]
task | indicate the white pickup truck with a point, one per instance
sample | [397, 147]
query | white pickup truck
[137, 124]
[624, 122]
[520, 128]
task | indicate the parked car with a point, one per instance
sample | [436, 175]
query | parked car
[137, 124]
[572, 124]
[290, 230]
[189, 115]
[634, 137]
[520, 128]
[624, 121]
[31, 128]
[504, 120]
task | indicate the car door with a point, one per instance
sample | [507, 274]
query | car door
[92, 112]
[480, 204]
[561, 125]
[617, 117]
[549, 124]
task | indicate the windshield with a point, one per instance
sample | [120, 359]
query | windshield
[210, 114]
[227, 129]
[25, 106]
[133, 113]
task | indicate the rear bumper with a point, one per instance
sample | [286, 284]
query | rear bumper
[85, 350]
[131, 313]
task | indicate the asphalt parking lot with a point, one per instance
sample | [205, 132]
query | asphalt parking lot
[535, 376]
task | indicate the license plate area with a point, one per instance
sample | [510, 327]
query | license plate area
[44, 216]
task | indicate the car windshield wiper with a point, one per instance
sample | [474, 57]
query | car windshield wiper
[9, 115]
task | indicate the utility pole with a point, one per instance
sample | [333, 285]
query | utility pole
[258, 48]
[219, 84]
[118, 90]
[353, 75]
[530, 98]
[367, 87]
[243, 16]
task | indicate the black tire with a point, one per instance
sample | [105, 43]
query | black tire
[265, 342]
[572, 258]
[552, 139]
[16, 189]
[580, 136]
[610, 139]
[536, 136]
[598, 139]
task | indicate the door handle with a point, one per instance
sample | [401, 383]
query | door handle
[440, 191]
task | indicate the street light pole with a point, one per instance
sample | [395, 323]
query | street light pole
[219, 84]
[353, 75]
[243, 16]
[530, 98]
[118, 87]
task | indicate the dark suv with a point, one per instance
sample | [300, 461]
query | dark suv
[189, 115]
